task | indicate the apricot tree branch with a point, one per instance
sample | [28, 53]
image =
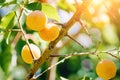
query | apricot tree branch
[52, 44]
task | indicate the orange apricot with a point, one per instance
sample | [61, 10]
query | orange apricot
[106, 69]
[50, 32]
[26, 54]
[36, 20]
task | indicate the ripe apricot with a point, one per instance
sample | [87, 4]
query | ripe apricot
[26, 54]
[50, 32]
[36, 20]
[106, 69]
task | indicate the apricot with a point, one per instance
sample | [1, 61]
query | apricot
[26, 54]
[106, 69]
[50, 32]
[36, 20]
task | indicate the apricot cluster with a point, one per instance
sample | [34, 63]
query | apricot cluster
[106, 69]
[37, 21]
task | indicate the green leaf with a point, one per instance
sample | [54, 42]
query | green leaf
[5, 56]
[8, 37]
[2, 1]
[7, 22]
[34, 6]
[113, 38]
[2, 75]
[63, 4]
[50, 11]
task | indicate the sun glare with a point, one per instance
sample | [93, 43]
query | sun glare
[119, 10]
[97, 2]
[91, 10]
[104, 18]
[73, 1]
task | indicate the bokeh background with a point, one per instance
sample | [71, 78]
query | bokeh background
[102, 20]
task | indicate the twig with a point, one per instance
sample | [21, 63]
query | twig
[17, 37]
[24, 34]
[109, 53]
[61, 61]
[113, 49]
[99, 43]
[10, 30]
[84, 27]
[74, 54]
[52, 44]
[113, 56]
[61, 24]
[75, 40]
[83, 53]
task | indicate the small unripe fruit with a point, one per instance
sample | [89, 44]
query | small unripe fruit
[50, 32]
[26, 54]
[36, 20]
[106, 69]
